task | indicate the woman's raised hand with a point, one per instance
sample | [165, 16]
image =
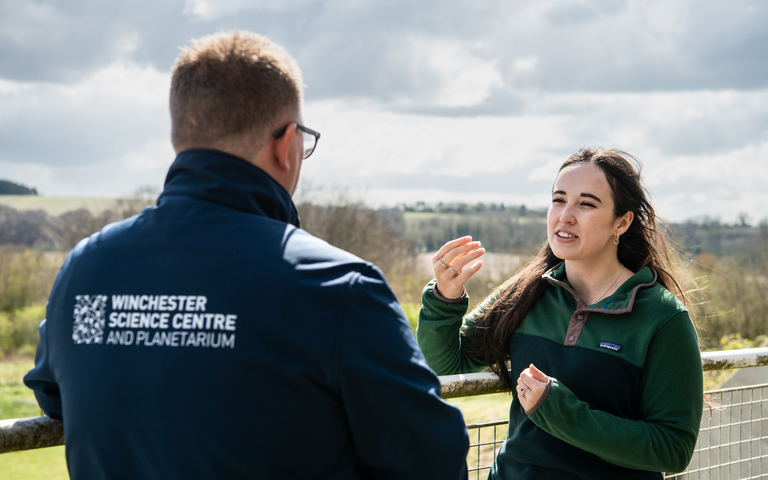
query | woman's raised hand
[450, 265]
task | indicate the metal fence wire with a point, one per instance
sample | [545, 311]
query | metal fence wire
[733, 439]
[487, 438]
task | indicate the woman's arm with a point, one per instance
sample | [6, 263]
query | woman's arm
[439, 333]
[444, 338]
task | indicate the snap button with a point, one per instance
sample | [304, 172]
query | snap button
[571, 338]
[580, 316]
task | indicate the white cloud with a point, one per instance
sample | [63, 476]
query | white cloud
[8, 88]
[128, 44]
[511, 158]
[209, 10]
[153, 160]
[91, 121]
[368, 141]
[464, 79]
[525, 64]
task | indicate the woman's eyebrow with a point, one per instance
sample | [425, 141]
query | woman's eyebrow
[584, 194]
[589, 195]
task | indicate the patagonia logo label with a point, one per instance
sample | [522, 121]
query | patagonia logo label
[610, 346]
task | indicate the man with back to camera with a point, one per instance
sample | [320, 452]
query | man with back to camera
[210, 337]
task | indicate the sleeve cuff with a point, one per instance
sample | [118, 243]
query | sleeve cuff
[442, 298]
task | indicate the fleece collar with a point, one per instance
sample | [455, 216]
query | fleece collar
[622, 300]
[227, 180]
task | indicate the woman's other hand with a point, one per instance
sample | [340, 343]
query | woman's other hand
[531, 387]
[450, 265]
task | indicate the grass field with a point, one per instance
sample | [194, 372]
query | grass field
[17, 401]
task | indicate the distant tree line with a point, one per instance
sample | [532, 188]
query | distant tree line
[37, 229]
[499, 231]
[463, 208]
[10, 188]
[504, 228]
[377, 236]
[720, 239]
[728, 261]
[382, 235]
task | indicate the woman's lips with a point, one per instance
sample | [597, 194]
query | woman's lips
[565, 237]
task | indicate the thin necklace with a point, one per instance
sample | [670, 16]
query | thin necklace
[614, 281]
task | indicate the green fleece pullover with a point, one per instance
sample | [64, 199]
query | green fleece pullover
[627, 392]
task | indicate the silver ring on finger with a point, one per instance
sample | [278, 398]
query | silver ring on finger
[441, 262]
[454, 271]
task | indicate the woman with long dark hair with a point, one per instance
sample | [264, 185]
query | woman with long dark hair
[593, 335]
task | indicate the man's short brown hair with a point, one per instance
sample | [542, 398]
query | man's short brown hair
[230, 89]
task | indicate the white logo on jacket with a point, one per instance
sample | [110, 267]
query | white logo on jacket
[151, 321]
[89, 317]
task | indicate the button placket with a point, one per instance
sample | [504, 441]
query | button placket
[575, 326]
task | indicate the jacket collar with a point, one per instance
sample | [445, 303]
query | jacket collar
[227, 180]
[622, 300]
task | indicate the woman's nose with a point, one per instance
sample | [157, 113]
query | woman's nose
[566, 214]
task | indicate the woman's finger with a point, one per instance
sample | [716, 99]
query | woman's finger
[524, 394]
[463, 260]
[449, 264]
[450, 284]
[450, 246]
[457, 267]
[467, 272]
[537, 374]
[458, 252]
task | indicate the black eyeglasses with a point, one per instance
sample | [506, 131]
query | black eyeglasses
[310, 141]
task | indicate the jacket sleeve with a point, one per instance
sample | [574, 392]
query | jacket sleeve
[41, 380]
[400, 427]
[443, 337]
[663, 439]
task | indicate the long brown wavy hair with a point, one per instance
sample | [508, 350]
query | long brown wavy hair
[643, 244]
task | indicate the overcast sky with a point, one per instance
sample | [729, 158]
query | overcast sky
[416, 100]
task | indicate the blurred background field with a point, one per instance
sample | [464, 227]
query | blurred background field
[55, 206]
[725, 264]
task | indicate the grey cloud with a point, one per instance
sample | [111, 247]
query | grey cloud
[41, 129]
[356, 49]
[65, 41]
[703, 136]
[575, 14]
[500, 103]
[710, 45]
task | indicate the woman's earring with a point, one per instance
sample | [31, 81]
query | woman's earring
[616, 240]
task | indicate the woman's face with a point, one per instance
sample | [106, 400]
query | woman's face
[580, 221]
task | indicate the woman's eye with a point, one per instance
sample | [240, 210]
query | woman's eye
[558, 200]
[587, 204]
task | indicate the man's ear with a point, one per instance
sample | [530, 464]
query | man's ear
[282, 146]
